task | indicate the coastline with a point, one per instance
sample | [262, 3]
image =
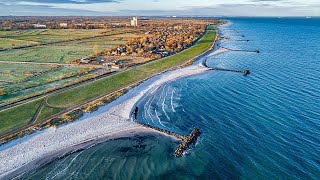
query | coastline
[73, 112]
[24, 156]
[39, 149]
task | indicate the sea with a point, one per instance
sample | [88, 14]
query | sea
[262, 126]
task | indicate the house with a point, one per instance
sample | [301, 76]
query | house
[63, 25]
[79, 26]
[100, 59]
[115, 67]
[85, 61]
[42, 26]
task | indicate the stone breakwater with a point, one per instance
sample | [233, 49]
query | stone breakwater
[186, 141]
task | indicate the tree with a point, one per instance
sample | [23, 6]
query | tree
[2, 92]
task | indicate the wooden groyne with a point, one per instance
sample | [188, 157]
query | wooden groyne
[186, 141]
[246, 40]
[244, 72]
[228, 38]
[256, 51]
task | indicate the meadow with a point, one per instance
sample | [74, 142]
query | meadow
[51, 35]
[15, 73]
[62, 52]
[26, 79]
[14, 118]
[10, 43]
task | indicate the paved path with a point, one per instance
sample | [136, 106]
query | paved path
[35, 115]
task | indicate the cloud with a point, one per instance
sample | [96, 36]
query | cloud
[160, 8]
[266, 0]
[43, 10]
[62, 1]
[233, 10]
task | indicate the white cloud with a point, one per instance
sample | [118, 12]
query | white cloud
[183, 7]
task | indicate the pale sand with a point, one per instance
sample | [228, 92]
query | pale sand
[21, 156]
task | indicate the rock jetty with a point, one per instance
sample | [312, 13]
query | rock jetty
[188, 141]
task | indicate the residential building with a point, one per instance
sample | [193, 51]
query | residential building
[63, 25]
[39, 26]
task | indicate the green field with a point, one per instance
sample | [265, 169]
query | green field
[60, 53]
[50, 35]
[88, 91]
[17, 117]
[14, 73]
[17, 84]
[49, 76]
[10, 43]
[47, 112]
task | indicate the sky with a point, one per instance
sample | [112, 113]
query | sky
[160, 7]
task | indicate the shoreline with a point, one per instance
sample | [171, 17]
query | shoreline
[85, 133]
[26, 155]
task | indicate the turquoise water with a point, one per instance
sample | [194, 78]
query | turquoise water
[263, 126]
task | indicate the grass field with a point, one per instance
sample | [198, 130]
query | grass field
[50, 35]
[46, 112]
[24, 85]
[10, 43]
[17, 117]
[50, 76]
[88, 91]
[14, 73]
[61, 53]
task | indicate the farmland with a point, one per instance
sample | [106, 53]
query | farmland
[24, 80]
[50, 35]
[16, 73]
[10, 43]
[62, 52]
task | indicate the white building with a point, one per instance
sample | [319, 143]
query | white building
[64, 25]
[134, 21]
[39, 26]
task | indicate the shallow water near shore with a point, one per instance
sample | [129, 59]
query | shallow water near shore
[263, 126]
